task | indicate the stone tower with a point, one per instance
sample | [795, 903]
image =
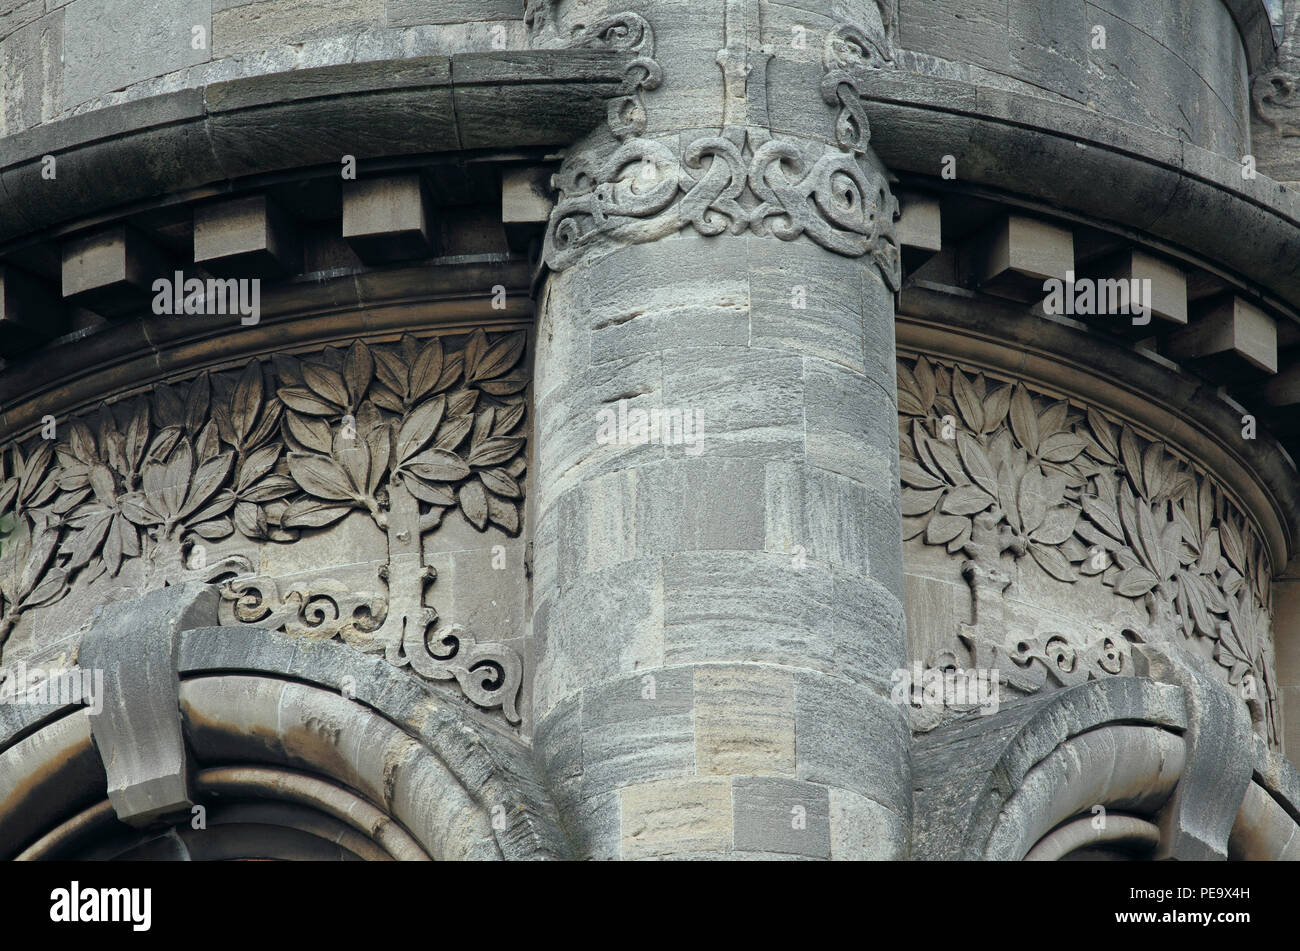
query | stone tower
[572, 429]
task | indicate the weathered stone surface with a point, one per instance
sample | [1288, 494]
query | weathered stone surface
[744, 721]
[138, 733]
[863, 830]
[673, 817]
[31, 73]
[782, 815]
[109, 44]
[414, 12]
[638, 729]
[831, 717]
[252, 27]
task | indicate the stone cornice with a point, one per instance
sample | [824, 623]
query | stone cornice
[205, 136]
[1079, 161]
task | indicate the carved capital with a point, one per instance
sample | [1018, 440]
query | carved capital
[628, 187]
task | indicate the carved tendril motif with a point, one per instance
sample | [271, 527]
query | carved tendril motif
[1081, 495]
[402, 433]
[739, 179]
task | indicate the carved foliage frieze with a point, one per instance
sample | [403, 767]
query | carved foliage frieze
[740, 179]
[401, 432]
[994, 469]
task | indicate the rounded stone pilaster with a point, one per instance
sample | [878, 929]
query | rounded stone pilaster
[718, 572]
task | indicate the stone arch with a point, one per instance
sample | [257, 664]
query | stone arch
[296, 748]
[1119, 743]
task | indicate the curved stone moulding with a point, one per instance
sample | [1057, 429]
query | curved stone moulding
[132, 497]
[1117, 831]
[993, 469]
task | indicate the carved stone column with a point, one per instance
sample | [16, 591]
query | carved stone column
[717, 565]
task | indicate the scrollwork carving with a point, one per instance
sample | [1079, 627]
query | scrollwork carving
[740, 179]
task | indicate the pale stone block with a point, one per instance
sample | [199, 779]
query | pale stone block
[675, 816]
[806, 301]
[741, 606]
[819, 513]
[852, 424]
[112, 44]
[744, 721]
[831, 717]
[920, 225]
[604, 624]
[1168, 283]
[1230, 325]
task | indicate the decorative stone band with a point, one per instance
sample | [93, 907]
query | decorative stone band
[401, 433]
[742, 179]
[992, 468]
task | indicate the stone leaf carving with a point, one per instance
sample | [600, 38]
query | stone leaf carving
[403, 433]
[740, 179]
[989, 468]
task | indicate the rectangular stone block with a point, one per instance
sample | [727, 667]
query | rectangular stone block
[671, 817]
[1016, 255]
[112, 44]
[245, 236]
[742, 606]
[1168, 287]
[419, 12]
[821, 514]
[111, 271]
[604, 624]
[781, 815]
[699, 504]
[1229, 326]
[387, 217]
[569, 420]
[31, 71]
[748, 402]
[526, 203]
[851, 424]
[272, 24]
[599, 524]
[863, 830]
[806, 301]
[744, 721]
[707, 304]
[638, 729]
[921, 223]
[968, 31]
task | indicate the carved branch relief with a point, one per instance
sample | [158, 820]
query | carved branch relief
[742, 178]
[992, 469]
[402, 433]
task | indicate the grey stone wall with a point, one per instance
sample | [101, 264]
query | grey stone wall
[65, 57]
[1165, 64]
